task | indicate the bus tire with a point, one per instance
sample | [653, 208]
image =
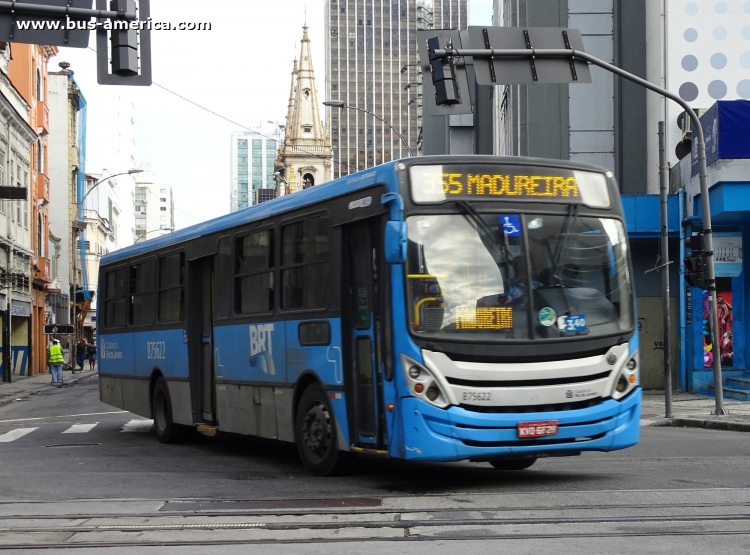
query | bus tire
[161, 407]
[513, 464]
[315, 434]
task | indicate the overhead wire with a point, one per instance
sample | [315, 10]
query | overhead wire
[220, 116]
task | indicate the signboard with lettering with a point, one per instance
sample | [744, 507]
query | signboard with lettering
[438, 183]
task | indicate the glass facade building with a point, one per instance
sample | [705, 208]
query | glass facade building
[253, 155]
[368, 44]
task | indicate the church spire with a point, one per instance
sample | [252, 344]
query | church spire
[307, 150]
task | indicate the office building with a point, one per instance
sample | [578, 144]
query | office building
[371, 56]
[252, 157]
[154, 207]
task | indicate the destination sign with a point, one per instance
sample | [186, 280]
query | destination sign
[434, 184]
[484, 318]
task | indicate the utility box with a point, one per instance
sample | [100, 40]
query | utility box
[725, 128]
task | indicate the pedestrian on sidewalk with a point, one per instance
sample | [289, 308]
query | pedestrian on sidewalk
[56, 360]
[91, 350]
[81, 349]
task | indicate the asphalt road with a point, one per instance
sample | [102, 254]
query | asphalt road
[74, 471]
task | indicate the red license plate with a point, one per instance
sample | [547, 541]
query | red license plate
[537, 429]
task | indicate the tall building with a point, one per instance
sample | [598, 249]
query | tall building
[252, 159]
[27, 70]
[371, 55]
[154, 207]
[306, 156]
[67, 162]
[16, 250]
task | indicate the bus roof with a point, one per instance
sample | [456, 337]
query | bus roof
[331, 189]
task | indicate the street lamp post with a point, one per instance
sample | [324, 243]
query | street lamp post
[341, 104]
[78, 226]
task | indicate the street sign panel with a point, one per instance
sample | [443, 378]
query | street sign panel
[526, 70]
[464, 99]
[14, 193]
[27, 27]
[59, 329]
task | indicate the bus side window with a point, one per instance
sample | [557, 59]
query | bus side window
[116, 298]
[142, 295]
[172, 288]
[253, 269]
[305, 250]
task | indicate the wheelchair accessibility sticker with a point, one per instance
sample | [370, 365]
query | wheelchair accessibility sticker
[511, 224]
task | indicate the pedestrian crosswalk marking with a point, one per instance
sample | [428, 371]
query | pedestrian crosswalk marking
[15, 434]
[80, 428]
[138, 425]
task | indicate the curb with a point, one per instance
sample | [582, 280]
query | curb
[707, 424]
[44, 386]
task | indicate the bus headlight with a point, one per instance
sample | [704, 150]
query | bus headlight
[627, 378]
[423, 384]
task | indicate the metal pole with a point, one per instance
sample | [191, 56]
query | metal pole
[664, 263]
[41, 10]
[702, 168]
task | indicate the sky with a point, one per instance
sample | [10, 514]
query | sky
[240, 70]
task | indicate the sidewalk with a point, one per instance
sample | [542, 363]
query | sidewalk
[22, 386]
[694, 411]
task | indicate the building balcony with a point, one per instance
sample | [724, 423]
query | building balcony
[42, 270]
[42, 187]
[42, 118]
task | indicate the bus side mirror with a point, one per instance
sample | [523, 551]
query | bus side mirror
[395, 242]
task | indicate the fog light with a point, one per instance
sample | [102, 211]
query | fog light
[622, 384]
[419, 388]
[432, 393]
[631, 364]
[414, 372]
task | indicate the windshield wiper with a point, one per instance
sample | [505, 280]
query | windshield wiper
[486, 232]
[559, 256]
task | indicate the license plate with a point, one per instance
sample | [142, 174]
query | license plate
[537, 429]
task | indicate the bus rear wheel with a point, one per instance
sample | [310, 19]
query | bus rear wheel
[166, 430]
[315, 433]
[513, 464]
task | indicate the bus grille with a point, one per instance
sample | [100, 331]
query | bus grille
[537, 408]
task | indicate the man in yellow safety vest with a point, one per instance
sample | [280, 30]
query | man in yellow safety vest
[56, 362]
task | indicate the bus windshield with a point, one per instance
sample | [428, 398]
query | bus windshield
[470, 276]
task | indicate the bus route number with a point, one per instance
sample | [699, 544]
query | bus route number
[476, 396]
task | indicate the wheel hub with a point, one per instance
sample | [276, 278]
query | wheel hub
[316, 430]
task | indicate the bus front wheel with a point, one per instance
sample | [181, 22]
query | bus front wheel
[166, 430]
[513, 464]
[315, 433]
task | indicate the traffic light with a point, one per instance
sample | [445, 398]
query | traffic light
[696, 262]
[124, 42]
[443, 73]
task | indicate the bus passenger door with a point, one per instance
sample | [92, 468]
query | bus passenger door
[200, 340]
[360, 329]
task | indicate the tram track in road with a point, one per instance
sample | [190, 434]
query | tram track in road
[157, 529]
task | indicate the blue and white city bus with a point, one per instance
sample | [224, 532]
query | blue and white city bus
[432, 309]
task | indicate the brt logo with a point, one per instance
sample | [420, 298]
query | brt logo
[261, 348]
[260, 336]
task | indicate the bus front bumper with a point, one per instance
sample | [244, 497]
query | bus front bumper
[454, 434]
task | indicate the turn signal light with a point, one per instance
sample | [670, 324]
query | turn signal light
[389, 407]
[632, 379]
[419, 388]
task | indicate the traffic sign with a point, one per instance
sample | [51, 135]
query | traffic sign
[59, 329]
